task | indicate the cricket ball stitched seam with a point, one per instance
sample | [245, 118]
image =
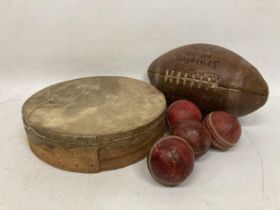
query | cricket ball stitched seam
[218, 137]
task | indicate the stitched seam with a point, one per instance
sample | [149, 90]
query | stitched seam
[194, 79]
[157, 74]
[217, 136]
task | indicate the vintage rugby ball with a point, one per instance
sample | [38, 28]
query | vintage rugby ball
[213, 77]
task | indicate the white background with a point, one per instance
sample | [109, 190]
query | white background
[45, 42]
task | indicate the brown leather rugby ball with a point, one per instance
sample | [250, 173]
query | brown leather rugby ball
[212, 77]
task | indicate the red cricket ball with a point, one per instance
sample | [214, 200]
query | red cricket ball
[195, 134]
[170, 160]
[182, 110]
[225, 129]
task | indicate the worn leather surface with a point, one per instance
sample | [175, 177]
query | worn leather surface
[94, 123]
[213, 77]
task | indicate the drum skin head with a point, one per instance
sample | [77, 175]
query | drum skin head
[95, 123]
